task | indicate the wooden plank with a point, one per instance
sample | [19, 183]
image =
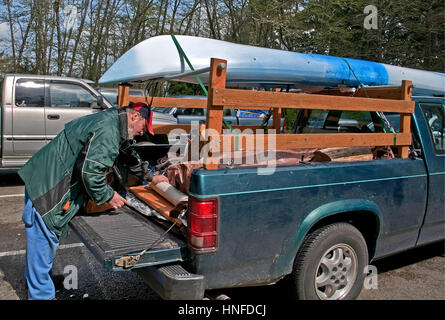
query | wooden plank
[405, 127]
[157, 202]
[214, 117]
[316, 140]
[248, 99]
[217, 80]
[169, 102]
[123, 92]
[277, 119]
[91, 207]
[405, 119]
[343, 154]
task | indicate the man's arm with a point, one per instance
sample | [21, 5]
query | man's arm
[137, 167]
[99, 154]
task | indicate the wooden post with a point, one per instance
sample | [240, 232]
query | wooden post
[123, 95]
[277, 120]
[405, 118]
[214, 118]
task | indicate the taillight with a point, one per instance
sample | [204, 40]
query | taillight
[284, 126]
[203, 224]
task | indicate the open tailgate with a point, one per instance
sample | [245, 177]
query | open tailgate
[124, 232]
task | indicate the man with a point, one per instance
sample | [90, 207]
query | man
[65, 173]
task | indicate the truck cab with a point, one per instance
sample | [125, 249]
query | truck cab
[430, 121]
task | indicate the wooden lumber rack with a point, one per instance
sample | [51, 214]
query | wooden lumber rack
[389, 99]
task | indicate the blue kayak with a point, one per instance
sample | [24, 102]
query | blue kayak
[247, 66]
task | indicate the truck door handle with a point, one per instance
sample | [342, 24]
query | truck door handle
[53, 116]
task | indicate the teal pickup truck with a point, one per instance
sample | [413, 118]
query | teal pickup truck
[315, 224]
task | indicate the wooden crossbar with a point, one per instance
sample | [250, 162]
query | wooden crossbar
[247, 99]
[249, 142]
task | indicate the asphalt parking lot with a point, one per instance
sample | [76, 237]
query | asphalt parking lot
[417, 274]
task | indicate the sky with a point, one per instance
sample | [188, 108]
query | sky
[4, 31]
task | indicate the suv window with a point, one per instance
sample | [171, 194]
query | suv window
[29, 93]
[70, 95]
[434, 116]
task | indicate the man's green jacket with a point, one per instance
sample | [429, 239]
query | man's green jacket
[72, 167]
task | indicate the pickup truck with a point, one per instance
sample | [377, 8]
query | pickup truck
[317, 225]
[35, 108]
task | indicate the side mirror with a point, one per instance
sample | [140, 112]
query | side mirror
[94, 105]
[100, 103]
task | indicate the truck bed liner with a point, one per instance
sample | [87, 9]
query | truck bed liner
[125, 232]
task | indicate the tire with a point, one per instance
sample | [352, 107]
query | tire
[330, 264]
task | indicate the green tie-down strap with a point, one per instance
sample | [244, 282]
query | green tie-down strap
[380, 114]
[182, 53]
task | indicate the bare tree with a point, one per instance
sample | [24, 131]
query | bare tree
[85, 5]
[11, 28]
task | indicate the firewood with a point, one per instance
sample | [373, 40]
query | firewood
[343, 154]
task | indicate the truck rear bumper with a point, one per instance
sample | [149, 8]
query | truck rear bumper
[112, 237]
[173, 282]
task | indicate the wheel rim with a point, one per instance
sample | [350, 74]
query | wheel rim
[336, 272]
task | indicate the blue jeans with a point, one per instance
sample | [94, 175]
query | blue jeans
[41, 246]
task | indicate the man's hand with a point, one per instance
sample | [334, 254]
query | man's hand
[159, 178]
[117, 201]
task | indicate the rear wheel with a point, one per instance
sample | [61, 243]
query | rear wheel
[330, 264]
